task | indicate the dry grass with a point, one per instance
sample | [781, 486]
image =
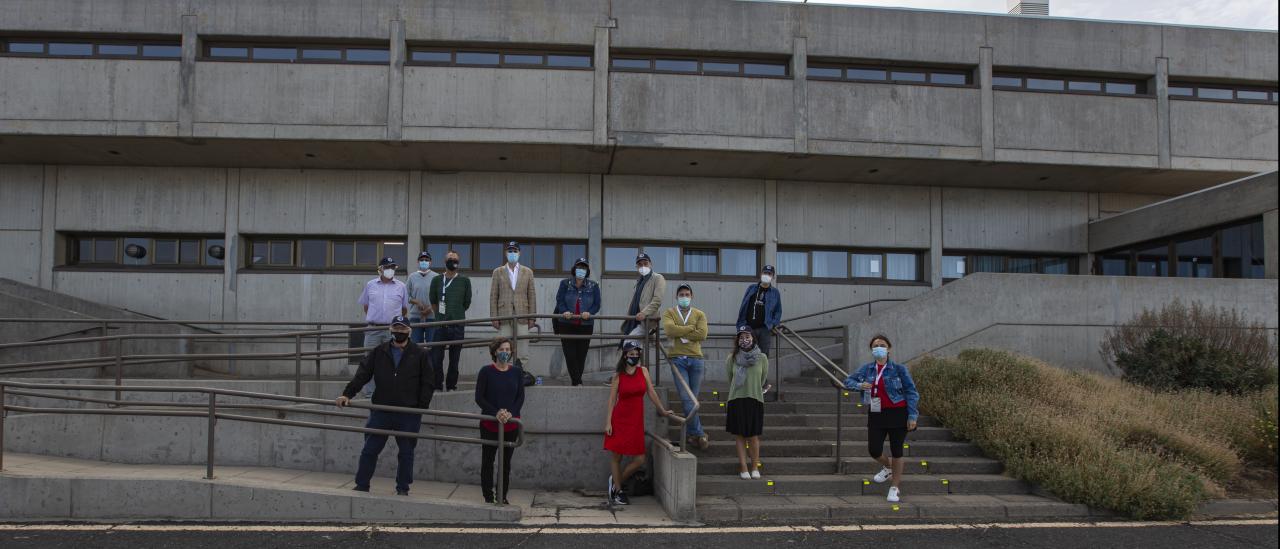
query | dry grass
[1098, 440]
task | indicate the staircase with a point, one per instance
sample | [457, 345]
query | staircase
[945, 477]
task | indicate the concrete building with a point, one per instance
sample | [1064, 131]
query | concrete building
[251, 160]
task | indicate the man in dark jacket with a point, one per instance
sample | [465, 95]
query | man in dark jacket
[404, 377]
[761, 309]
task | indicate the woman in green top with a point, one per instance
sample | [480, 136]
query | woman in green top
[747, 370]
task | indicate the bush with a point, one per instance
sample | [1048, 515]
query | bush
[1095, 439]
[1183, 347]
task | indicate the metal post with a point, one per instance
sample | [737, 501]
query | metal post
[2, 414]
[777, 366]
[318, 328]
[297, 365]
[119, 365]
[502, 454]
[213, 420]
[515, 340]
[839, 427]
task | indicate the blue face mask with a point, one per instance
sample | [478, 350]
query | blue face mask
[513, 257]
[424, 265]
[504, 357]
[684, 301]
[880, 352]
[580, 273]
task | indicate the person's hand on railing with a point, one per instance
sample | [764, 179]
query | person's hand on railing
[533, 322]
[496, 324]
[342, 401]
[639, 317]
[566, 315]
[585, 315]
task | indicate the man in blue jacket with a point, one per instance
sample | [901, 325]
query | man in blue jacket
[762, 309]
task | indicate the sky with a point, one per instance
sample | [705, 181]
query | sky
[1245, 14]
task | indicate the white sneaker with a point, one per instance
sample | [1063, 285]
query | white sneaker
[610, 491]
[893, 495]
[755, 474]
[744, 475]
[884, 474]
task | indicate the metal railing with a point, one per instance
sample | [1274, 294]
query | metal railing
[833, 373]
[212, 413]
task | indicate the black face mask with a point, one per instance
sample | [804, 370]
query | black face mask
[400, 337]
[746, 344]
[451, 264]
[633, 360]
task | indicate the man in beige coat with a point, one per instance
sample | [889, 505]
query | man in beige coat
[646, 301]
[512, 292]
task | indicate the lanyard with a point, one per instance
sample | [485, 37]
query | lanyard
[684, 318]
[879, 374]
[444, 286]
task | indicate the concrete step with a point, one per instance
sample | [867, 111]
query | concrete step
[858, 433]
[853, 466]
[791, 394]
[714, 416]
[784, 508]
[731, 485]
[812, 448]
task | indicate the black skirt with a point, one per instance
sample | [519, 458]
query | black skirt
[745, 417]
[888, 418]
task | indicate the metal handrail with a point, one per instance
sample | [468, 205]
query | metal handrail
[838, 309]
[836, 382]
[681, 385]
[213, 415]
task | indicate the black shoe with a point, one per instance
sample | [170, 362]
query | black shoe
[359, 489]
[620, 498]
[402, 492]
[505, 501]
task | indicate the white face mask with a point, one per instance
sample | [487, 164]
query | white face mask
[388, 273]
[766, 279]
[644, 271]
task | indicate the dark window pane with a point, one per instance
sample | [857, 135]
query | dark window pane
[368, 56]
[830, 264]
[575, 61]
[1044, 84]
[1215, 93]
[215, 251]
[166, 252]
[866, 74]
[988, 264]
[1153, 261]
[1181, 91]
[1022, 265]
[1056, 265]
[675, 65]
[344, 254]
[1077, 85]
[491, 256]
[764, 69]
[1116, 264]
[738, 262]
[720, 67]
[1242, 251]
[665, 259]
[322, 54]
[64, 48]
[117, 49]
[464, 255]
[1195, 258]
[25, 47]
[901, 267]
[228, 52]
[431, 57]
[1006, 81]
[367, 254]
[314, 254]
[84, 252]
[620, 258]
[398, 252]
[521, 59]
[623, 63]
[477, 58]
[104, 250]
[570, 253]
[1122, 88]
[275, 54]
[700, 261]
[160, 50]
[259, 256]
[952, 266]
[189, 252]
[1275, 97]
[1251, 95]
[907, 76]
[793, 263]
[824, 72]
[281, 252]
[544, 257]
[136, 251]
[868, 266]
[438, 251]
[948, 78]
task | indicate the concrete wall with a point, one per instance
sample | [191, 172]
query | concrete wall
[248, 99]
[467, 97]
[843, 111]
[683, 209]
[21, 212]
[1098, 124]
[505, 205]
[1015, 220]
[101, 96]
[1223, 130]
[833, 214]
[682, 105]
[167, 200]
[335, 202]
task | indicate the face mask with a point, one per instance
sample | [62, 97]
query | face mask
[644, 271]
[746, 344]
[451, 264]
[424, 265]
[633, 360]
[504, 357]
[513, 257]
[400, 337]
[684, 301]
[388, 273]
[580, 273]
[765, 279]
[880, 352]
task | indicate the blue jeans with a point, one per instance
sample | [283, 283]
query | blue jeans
[422, 335]
[373, 445]
[691, 370]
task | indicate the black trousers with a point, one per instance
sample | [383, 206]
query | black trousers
[891, 422]
[575, 350]
[763, 337]
[452, 332]
[487, 456]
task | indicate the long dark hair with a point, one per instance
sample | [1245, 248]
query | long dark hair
[736, 347]
[622, 362]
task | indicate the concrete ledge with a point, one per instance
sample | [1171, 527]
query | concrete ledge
[1225, 508]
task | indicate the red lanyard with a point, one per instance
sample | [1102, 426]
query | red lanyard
[879, 374]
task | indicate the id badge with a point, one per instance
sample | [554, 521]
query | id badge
[875, 405]
[440, 310]
[684, 340]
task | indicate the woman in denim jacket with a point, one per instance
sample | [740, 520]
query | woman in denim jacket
[891, 398]
[577, 299]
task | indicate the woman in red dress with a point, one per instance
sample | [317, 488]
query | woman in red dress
[624, 420]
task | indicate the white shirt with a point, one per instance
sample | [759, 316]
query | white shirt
[513, 271]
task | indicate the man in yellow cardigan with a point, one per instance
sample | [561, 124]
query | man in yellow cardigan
[686, 327]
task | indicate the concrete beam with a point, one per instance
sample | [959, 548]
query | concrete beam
[1162, 112]
[935, 237]
[187, 76]
[416, 200]
[231, 241]
[988, 105]
[395, 83]
[600, 88]
[800, 79]
[770, 222]
[595, 225]
[48, 213]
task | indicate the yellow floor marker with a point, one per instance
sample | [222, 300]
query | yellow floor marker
[846, 393]
[895, 507]
[768, 483]
[722, 405]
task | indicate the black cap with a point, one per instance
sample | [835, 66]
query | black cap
[745, 328]
[684, 286]
[768, 269]
[386, 261]
[401, 321]
[425, 255]
[513, 245]
[629, 345]
[582, 261]
[642, 257]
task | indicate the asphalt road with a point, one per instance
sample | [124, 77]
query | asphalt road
[1181, 536]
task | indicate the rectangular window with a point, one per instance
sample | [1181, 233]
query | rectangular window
[1215, 93]
[521, 59]
[544, 257]
[953, 266]
[316, 54]
[907, 76]
[764, 69]
[629, 63]
[145, 251]
[118, 49]
[830, 264]
[1056, 265]
[275, 54]
[229, 52]
[692, 260]
[1182, 91]
[619, 258]
[314, 254]
[738, 262]
[876, 75]
[431, 56]
[1242, 251]
[570, 253]
[162, 51]
[1122, 88]
[397, 252]
[1114, 264]
[490, 255]
[166, 252]
[711, 67]
[367, 253]
[825, 73]
[675, 65]
[1153, 261]
[476, 58]
[665, 259]
[440, 250]
[281, 252]
[368, 55]
[189, 252]
[701, 261]
[950, 79]
[793, 263]
[1044, 84]
[569, 61]
[1078, 85]
[70, 49]
[1195, 257]
[901, 267]
[868, 266]
[1251, 95]
[25, 47]
[1006, 81]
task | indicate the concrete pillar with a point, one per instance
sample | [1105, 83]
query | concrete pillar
[187, 77]
[395, 83]
[800, 76]
[935, 237]
[231, 240]
[48, 227]
[595, 226]
[600, 91]
[1162, 112]
[988, 105]
[770, 222]
[413, 246]
[1271, 243]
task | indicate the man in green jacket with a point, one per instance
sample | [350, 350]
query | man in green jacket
[686, 327]
[450, 297]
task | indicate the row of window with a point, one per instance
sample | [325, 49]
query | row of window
[138, 251]
[486, 255]
[690, 65]
[1073, 84]
[896, 75]
[683, 260]
[491, 58]
[297, 54]
[142, 49]
[956, 265]
[1220, 92]
[862, 265]
[1234, 251]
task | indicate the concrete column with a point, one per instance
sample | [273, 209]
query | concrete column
[600, 92]
[187, 77]
[988, 105]
[48, 227]
[595, 225]
[231, 239]
[800, 91]
[413, 246]
[770, 222]
[935, 237]
[395, 83]
[1271, 243]
[1162, 111]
